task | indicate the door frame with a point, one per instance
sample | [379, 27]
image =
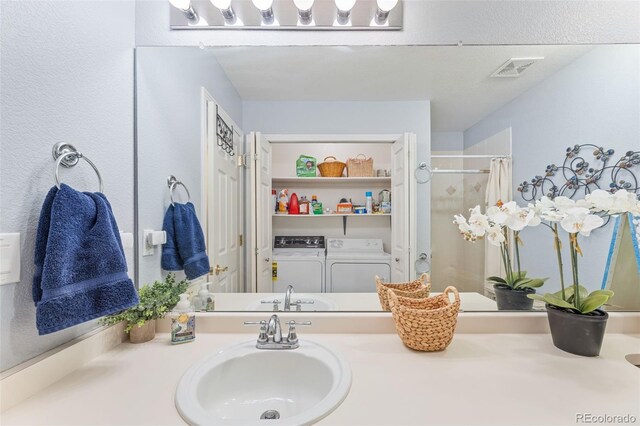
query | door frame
[279, 138]
[206, 155]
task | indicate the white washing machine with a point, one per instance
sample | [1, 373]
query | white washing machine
[300, 262]
[352, 265]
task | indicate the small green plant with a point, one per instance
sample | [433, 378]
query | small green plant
[155, 301]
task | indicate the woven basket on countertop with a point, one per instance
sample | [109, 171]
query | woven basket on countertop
[415, 289]
[333, 168]
[426, 324]
[361, 166]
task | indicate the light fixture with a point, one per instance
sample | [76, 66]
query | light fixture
[264, 6]
[225, 9]
[384, 7]
[304, 10]
[344, 10]
[185, 7]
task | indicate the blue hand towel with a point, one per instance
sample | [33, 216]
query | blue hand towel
[170, 259]
[81, 271]
[187, 237]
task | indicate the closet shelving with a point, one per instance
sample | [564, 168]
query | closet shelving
[330, 180]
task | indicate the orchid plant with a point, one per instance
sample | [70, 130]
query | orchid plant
[580, 218]
[501, 226]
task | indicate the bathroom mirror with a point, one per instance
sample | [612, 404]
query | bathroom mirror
[258, 140]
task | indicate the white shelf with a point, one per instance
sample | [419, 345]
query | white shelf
[331, 180]
[318, 216]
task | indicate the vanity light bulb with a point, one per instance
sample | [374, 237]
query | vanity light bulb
[181, 4]
[345, 5]
[221, 4]
[263, 4]
[387, 5]
[303, 5]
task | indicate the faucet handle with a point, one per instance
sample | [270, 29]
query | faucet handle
[293, 335]
[262, 337]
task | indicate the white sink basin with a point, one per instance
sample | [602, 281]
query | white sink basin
[320, 303]
[239, 384]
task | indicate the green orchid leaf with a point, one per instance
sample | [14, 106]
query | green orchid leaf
[557, 301]
[497, 280]
[607, 293]
[536, 282]
[592, 303]
[536, 297]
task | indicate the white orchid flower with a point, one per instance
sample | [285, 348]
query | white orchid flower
[599, 200]
[563, 203]
[462, 223]
[495, 236]
[499, 214]
[623, 201]
[478, 222]
[521, 218]
[580, 220]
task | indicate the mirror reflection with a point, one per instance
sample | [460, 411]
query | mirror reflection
[289, 178]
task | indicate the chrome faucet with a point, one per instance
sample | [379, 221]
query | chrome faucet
[287, 298]
[287, 302]
[270, 336]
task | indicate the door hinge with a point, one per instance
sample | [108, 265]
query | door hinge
[241, 240]
[243, 160]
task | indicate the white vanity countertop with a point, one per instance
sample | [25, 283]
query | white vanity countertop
[492, 379]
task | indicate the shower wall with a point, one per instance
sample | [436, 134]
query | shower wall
[455, 261]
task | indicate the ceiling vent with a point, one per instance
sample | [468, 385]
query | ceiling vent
[515, 67]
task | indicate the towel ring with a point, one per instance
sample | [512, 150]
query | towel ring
[173, 182]
[66, 155]
[423, 167]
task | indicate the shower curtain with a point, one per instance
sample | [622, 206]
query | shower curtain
[499, 188]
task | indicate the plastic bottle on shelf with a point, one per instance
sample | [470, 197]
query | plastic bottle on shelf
[294, 207]
[369, 202]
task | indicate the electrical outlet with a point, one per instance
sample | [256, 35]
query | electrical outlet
[9, 258]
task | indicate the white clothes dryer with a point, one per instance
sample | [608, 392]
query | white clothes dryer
[352, 265]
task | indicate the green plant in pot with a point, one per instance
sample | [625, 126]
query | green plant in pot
[576, 319]
[501, 226]
[156, 300]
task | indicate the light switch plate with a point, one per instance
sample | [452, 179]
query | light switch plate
[9, 258]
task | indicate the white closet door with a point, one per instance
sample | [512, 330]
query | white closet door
[401, 211]
[261, 211]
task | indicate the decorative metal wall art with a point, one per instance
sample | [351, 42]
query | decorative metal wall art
[224, 134]
[579, 175]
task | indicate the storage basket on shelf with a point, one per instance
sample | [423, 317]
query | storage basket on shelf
[425, 324]
[333, 168]
[361, 166]
[415, 289]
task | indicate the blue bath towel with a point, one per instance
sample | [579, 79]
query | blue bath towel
[81, 271]
[170, 259]
[185, 242]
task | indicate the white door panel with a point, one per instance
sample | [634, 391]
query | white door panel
[223, 203]
[263, 213]
[400, 211]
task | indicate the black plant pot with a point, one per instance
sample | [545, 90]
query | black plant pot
[513, 300]
[577, 334]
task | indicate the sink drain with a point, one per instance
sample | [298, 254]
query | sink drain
[270, 415]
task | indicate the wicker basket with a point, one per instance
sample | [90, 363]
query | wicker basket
[426, 324]
[361, 166]
[415, 289]
[333, 168]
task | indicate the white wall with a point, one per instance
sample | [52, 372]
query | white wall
[169, 82]
[67, 75]
[351, 118]
[428, 22]
[595, 99]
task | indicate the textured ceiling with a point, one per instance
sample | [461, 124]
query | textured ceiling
[455, 79]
